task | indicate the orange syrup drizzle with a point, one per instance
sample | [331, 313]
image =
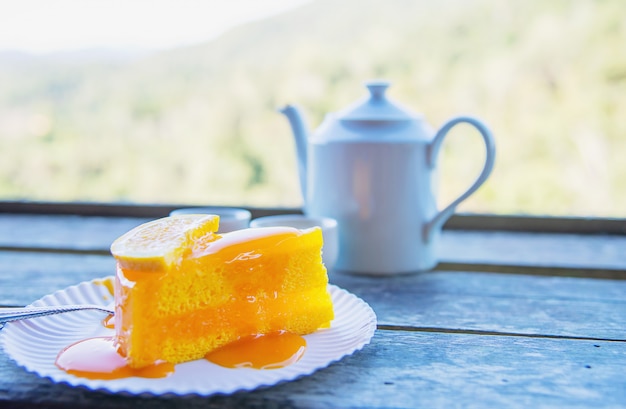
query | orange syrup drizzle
[271, 351]
[99, 358]
[109, 322]
[106, 283]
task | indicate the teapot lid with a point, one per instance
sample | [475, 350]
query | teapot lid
[376, 107]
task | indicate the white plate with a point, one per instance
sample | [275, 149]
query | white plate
[34, 344]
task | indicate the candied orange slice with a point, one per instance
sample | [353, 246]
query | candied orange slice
[157, 245]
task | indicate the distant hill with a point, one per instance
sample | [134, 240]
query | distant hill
[199, 124]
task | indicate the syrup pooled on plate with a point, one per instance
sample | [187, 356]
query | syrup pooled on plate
[98, 358]
[270, 351]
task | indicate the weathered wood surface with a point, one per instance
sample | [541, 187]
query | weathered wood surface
[400, 369]
[61, 232]
[446, 338]
[492, 248]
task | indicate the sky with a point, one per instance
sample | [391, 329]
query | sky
[44, 26]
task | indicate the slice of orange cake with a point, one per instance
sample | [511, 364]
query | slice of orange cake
[182, 290]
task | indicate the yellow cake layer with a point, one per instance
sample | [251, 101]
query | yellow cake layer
[224, 287]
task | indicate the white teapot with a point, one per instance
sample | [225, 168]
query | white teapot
[371, 168]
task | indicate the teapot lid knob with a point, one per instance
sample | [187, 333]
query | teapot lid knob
[376, 107]
[377, 89]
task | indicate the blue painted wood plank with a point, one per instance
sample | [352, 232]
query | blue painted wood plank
[402, 370]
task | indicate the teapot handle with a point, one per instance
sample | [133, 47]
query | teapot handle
[433, 150]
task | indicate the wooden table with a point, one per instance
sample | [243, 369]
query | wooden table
[521, 312]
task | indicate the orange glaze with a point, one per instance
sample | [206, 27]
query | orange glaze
[107, 283]
[109, 322]
[270, 351]
[246, 245]
[98, 358]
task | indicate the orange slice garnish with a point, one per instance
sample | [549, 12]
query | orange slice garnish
[157, 245]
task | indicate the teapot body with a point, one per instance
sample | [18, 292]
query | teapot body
[372, 167]
[381, 193]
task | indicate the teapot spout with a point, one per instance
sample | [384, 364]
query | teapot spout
[300, 134]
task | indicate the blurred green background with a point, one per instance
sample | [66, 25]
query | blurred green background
[199, 124]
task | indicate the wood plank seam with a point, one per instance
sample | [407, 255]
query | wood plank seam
[56, 250]
[574, 272]
[387, 327]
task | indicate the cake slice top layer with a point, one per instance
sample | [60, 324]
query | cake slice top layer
[159, 244]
